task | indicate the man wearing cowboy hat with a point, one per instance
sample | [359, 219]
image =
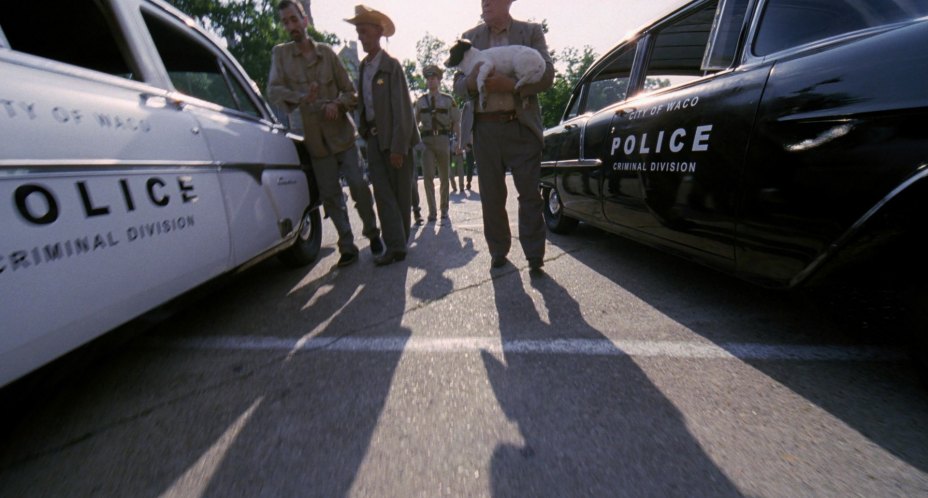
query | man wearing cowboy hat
[508, 136]
[311, 77]
[388, 125]
[438, 118]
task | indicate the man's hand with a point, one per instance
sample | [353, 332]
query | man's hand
[495, 83]
[472, 78]
[331, 111]
[396, 160]
[500, 83]
[312, 93]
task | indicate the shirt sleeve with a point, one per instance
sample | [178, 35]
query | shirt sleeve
[538, 43]
[402, 112]
[278, 85]
[347, 95]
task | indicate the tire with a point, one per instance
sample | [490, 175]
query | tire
[555, 218]
[305, 249]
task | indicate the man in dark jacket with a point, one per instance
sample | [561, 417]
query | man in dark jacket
[388, 125]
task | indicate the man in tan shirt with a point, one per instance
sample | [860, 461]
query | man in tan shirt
[311, 77]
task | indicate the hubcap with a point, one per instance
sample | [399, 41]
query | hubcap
[306, 230]
[554, 202]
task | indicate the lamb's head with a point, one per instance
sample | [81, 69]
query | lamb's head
[463, 56]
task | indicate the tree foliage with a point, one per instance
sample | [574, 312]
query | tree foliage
[574, 64]
[249, 29]
[429, 50]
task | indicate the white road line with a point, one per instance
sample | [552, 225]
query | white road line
[590, 347]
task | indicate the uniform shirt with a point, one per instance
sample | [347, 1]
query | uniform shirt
[290, 79]
[445, 115]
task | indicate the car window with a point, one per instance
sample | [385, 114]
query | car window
[195, 69]
[75, 32]
[789, 23]
[573, 110]
[726, 32]
[678, 50]
[610, 84]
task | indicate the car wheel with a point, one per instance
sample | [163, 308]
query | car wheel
[305, 249]
[555, 218]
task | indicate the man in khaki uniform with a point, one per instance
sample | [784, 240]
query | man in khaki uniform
[438, 117]
[311, 77]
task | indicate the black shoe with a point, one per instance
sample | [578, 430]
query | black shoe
[389, 257]
[432, 218]
[498, 261]
[468, 186]
[535, 264]
[376, 246]
[347, 258]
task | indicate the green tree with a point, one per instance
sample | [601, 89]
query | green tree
[249, 28]
[413, 76]
[554, 100]
[430, 50]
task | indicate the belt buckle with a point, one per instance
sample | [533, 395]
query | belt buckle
[373, 131]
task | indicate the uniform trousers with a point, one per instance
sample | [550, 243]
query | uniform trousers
[437, 155]
[393, 193]
[512, 146]
[326, 170]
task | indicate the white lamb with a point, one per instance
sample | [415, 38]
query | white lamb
[523, 63]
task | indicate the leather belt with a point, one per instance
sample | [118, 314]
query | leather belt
[495, 117]
[432, 133]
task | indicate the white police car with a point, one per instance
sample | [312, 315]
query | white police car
[137, 161]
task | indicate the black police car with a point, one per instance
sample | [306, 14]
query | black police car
[782, 141]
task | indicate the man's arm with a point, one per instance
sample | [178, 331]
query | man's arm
[538, 43]
[347, 99]
[402, 113]
[456, 123]
[278, 86]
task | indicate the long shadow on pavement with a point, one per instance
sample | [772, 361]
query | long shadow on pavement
[593, 425]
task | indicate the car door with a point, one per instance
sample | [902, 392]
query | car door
[576, 143]
[111, 204]
[264, 186]
[684, 137]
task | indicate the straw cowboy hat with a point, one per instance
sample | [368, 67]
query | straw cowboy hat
[366, 15]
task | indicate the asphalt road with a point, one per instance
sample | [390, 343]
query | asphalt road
[619, 372]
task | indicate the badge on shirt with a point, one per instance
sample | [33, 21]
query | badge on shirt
[380, 81]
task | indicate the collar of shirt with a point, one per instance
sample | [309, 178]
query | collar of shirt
[500, 37]
[298, 48]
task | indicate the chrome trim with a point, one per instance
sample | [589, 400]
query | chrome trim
[580, 163]
[20, 168]
[853, 230]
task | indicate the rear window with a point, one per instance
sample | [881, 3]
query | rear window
[76, 32]
[790, 23]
